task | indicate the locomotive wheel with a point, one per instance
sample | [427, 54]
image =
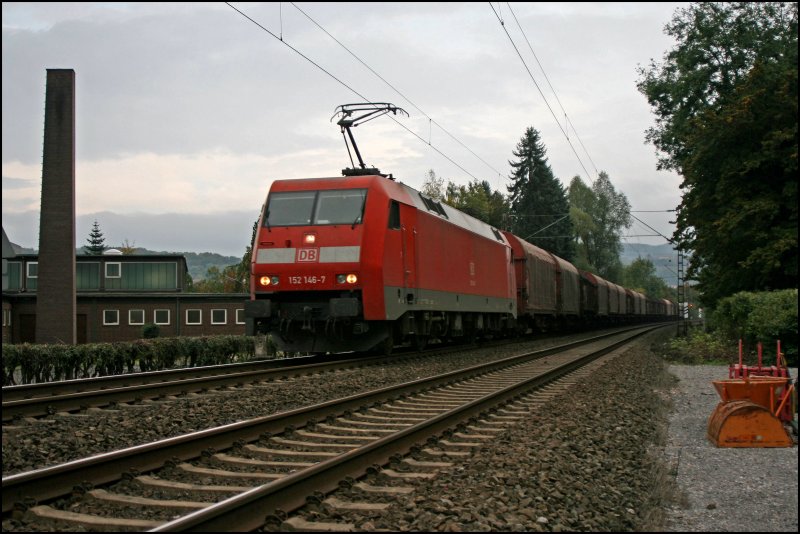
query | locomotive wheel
[385, 347]
[471, 337]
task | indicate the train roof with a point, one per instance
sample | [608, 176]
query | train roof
[400, 192]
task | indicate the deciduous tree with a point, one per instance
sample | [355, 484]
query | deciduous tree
[725, 100]
[477, 199]
[641, 275]
[599, 215]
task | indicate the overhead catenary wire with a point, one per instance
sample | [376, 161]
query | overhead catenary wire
[283, 41]
[566, 116]
[396, 90]
[502, 25]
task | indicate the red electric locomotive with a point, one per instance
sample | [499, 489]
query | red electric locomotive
[362, 261]
[358, 262]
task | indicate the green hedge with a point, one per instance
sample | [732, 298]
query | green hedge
[764, 317]
[46, 363]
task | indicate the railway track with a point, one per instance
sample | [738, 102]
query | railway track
[239, 474]
[36, 400]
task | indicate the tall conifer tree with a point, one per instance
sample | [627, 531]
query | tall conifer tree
[95, 240]
[539, 206]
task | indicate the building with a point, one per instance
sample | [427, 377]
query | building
[117, 296]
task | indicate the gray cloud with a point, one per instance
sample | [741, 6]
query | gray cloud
[17, 183]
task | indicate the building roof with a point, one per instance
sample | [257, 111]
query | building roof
[8, 250]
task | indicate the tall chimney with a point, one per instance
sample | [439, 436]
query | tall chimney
[55, 301]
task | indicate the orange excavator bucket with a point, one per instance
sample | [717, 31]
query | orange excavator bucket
[748, 413]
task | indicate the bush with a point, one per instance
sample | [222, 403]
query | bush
[764, 317]
[700, 347]
[150, 331]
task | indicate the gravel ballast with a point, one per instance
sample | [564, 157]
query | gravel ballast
[724, 489]
[585, 462]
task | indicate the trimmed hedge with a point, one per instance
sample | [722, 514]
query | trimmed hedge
[47, 363]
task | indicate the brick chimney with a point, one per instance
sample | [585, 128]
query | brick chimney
[55, 301]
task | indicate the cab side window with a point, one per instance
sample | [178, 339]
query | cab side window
[394, 215]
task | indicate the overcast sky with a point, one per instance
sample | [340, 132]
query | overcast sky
[187, 112]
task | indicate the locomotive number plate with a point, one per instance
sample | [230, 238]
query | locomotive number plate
[312, 279]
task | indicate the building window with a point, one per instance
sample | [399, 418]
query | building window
[110, 317]
[240, 316]
[219, 316]
[136, 317]
[194, 316]
[6, 317]
[33, 269]
[161, 316]
[114, 270]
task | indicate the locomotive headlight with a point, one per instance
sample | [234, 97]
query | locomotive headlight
[346, 278]
[309, 239]
[351, 279]
[269, 280]
[340, 279]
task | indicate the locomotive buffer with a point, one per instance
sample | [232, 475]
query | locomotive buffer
[373, 111]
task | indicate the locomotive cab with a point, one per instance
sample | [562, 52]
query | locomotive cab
[307, 276]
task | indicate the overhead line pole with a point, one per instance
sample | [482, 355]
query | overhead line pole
[683, 308]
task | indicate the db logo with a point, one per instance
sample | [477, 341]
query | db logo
[307, 255]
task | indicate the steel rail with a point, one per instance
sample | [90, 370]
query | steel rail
[77, 385]
[130, 388]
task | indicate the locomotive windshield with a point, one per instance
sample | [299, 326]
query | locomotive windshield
[308, 208]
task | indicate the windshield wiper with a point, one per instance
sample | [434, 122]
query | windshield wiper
[360, 215]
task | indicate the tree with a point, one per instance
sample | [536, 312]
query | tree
[127, 247]
[433, 186]
[95, 240]
[539, 205]
[216, 281]
[641, 276]
[231, 279]
[725, 100]
[599, 215]
[243, 269]
[478, 200]
[581, 207]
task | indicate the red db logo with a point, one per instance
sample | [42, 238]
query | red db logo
[307, 255]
